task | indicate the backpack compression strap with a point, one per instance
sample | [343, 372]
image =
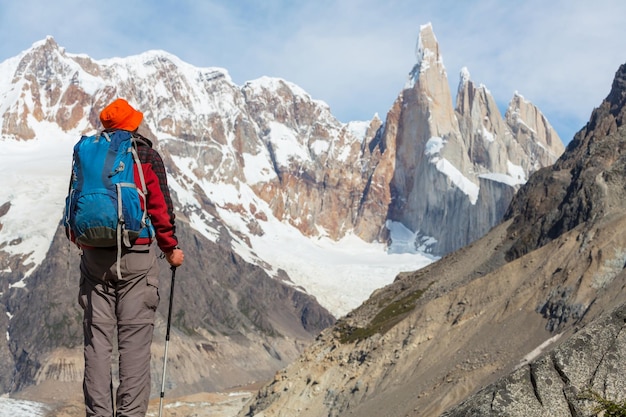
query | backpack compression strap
[118, 229]
[143, 193]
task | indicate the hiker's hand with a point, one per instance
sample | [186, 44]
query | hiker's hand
[175, 257]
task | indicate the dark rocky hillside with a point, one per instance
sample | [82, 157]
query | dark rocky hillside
[585, 184]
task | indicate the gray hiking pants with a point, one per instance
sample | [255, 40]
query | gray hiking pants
[128, 306]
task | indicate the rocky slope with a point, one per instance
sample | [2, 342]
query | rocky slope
[533, 311]
[563, 381]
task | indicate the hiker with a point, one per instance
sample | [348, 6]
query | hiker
[119, 284]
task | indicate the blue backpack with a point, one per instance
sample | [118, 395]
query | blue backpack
[104, 206]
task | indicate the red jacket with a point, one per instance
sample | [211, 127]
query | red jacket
[160, 207]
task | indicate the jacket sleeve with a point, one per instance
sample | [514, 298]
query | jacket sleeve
[159, 201]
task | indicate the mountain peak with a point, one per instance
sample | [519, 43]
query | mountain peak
[426, 54]
[617, 96]
[274, 85]
[47, 43]
[42, 52]
[464, 75]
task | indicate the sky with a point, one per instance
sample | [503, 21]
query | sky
[355, 55]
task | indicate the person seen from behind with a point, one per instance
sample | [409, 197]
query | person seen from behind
[121, 300]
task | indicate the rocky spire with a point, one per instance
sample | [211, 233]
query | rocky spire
[533, 132]
[484, 132]
[428, 82]
[427, 142]
[467, 156]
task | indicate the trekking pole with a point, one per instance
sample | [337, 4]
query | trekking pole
[167, 341]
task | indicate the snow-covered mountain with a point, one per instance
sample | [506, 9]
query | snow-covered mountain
[276, 165]
[251, 152]
[264, 173]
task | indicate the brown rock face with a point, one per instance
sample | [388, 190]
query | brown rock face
[37, 77]
[320, 184]
[532, 131]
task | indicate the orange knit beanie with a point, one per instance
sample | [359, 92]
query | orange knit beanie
[120, 115]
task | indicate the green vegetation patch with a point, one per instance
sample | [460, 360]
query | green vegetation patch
[390, 315]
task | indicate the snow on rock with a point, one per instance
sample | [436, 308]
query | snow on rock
[21, 408]
[37, 173]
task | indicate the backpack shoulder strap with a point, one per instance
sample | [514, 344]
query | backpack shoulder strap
[142, 140]
[142, 179]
